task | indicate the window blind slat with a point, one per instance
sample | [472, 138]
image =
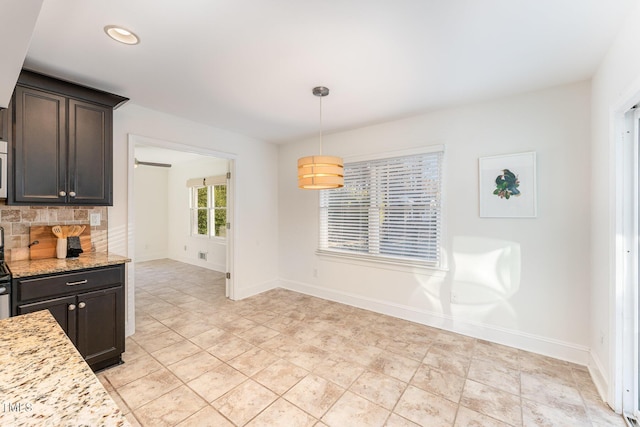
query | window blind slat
[387, 207]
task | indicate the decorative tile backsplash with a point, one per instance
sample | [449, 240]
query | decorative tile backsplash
[16, 221]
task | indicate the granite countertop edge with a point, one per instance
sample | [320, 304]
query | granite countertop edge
[26, 268]
[45, 381]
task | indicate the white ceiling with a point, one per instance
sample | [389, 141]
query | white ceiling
[249, 66]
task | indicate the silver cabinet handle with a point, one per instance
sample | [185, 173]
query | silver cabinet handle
[72, 193]
[62, 193]
[79, 282]
[82, 305]
[72, 307]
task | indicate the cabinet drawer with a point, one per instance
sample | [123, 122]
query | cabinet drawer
[68, 283]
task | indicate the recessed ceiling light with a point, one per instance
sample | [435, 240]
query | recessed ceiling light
[121, 35]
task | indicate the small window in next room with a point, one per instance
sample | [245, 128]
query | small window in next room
[389, 210]
[208, 203]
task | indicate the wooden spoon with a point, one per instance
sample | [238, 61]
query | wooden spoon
[57, 231]
[81, 229]
[73, 230]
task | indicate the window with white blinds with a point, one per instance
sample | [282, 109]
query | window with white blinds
[388, 208]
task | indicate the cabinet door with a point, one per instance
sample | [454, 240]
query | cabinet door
[63, 309]
[40, 147]
[90, 154]
[101, 324]
[4, 124]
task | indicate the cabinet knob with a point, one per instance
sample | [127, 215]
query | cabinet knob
[62, 193]
[72, 307]
[82, 305]
[72, 193]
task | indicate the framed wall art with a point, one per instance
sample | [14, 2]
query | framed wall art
[508, 186]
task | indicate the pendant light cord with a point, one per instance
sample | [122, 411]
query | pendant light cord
[321, 125]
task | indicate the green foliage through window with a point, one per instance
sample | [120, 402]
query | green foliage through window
[209, 204]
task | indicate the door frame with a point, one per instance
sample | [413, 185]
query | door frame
[622, 393]
[133, 140]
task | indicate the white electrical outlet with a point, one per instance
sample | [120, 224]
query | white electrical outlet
[94, 219]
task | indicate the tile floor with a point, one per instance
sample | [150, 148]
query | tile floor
[287, 359]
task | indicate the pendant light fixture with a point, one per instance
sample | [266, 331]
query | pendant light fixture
[320, 172]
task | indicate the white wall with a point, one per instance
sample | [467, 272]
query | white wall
[182, 246]
[152, 221]
[542, 304]
[616, 82]
[256, 193]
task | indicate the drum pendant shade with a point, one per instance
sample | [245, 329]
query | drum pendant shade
[320, 172]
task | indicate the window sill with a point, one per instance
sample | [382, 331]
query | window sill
[384, 263]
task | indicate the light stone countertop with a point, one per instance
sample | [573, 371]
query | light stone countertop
[36, 267]
[45, 382]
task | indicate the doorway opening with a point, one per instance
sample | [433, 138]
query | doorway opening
[168, 217]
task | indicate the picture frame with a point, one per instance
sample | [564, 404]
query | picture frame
[507, 186]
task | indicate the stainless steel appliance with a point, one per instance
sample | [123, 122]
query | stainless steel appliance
[5, 282]
[3, 170]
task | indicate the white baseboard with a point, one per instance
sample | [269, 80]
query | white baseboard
[598, 375]
[255, 289]
[537, 344]
[204, 264]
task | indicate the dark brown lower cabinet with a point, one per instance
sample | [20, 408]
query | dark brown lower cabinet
[92, 316]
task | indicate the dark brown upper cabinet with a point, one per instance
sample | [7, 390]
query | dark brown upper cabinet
[4, 124]
[62, 145]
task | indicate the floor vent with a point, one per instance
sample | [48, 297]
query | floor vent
[631, 422]
[202, 256]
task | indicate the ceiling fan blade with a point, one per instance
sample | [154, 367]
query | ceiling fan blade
[160, 165]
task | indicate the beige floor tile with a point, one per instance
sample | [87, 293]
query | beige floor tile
[306, 356]
[159, 341]
[133, 420]
[538, 414]
[208, 338]
[206, 417]
[357, 353]
[171, 408]
[128, 372]
[281, 412]
[354, 411]
[132, 350]
[280, 376]
[339, 371]
[314, 395]
[454, 343]
[244, 402]
[280, 336]
[148, 388]
[216, 382]
[452, 363]
[543, 388]
[495, 374]
[492, 402]
[176, 352]
[600, 413]
[253, 361]
[149, 328]
[259, 334]
[229, 346]
[437, 382]
[491, 352]
[425, 409]
[395, 366]
[470, 418]
[195, 365]
[239, 325]
[379, 388]
[396, 420]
